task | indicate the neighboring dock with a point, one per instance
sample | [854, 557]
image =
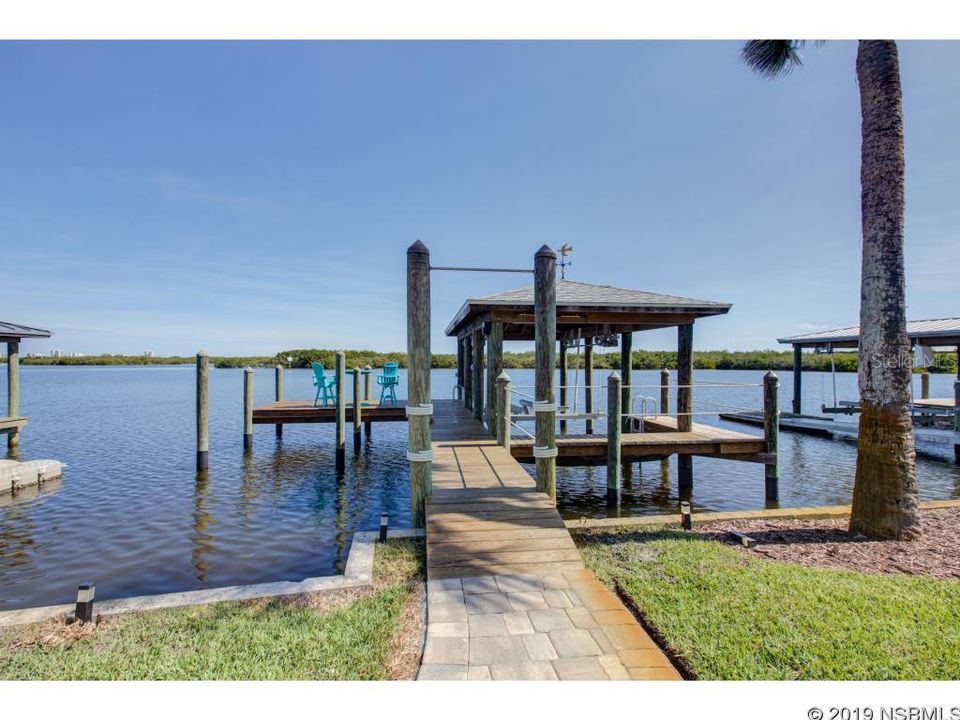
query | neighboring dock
[287, 412]
[926, 440]
[508, 595]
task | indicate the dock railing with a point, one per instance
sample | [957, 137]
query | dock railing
[616, 419]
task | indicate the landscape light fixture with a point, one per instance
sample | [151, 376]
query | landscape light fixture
[686, 520]
[84, 609]
[384, 522]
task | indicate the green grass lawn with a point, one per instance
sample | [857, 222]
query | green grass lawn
[351, 635]
[733, 617]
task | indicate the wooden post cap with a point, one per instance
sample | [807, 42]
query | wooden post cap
[503, 377]
[613, 377]
[418, 248]
[546, 251]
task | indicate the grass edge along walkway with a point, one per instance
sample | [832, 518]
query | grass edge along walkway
[727, 616]
[370, 633]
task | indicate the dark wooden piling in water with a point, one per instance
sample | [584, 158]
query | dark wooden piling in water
[664, 392]
[13, 391]
[797, 378]
[247, 408]
[357, 408]
[626, 375]
[419, 434]
[503, 409]
[614, 423]
[684, 377]
[478, 375]
[494, 368]
[956, 412]
[341, 410]
[545, 340]
[563, 383]
[771, 433]
[368, 397]
[460, 395]
[203, 436]
[924, 386]
[588, 384]
[468, 372]
[685, 404]
[278, 393]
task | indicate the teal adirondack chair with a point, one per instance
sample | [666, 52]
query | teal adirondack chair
[324, 384]
[388, 382]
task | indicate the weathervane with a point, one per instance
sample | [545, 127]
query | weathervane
[564, 251]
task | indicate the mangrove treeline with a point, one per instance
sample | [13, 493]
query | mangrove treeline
[642, 360]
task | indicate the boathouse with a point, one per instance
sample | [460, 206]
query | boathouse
[939, 334]
[12, 424]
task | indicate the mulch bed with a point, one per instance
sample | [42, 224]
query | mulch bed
[826, 544]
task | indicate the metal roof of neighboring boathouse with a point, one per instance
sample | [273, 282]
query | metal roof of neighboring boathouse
[934, 333]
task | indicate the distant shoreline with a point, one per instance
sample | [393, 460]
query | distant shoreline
[642, 360]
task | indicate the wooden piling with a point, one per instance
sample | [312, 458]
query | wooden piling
[368, 397]
[357, 408]
[203, 436]
[588, 384]
[460, 394]
[685, 476]
[247, 408]
[771, 433]
[278, 392]
[563, 383]
[664, 392]
[924, 385]
[626, 374]
[956, 405]
[545, 334]
[797, 378]
[684, 377]
[13, 390]
[614, 421]
[503, 409]
[419, 434]
[494, 368]
[468, 372]
[477, 379]
[341, 410]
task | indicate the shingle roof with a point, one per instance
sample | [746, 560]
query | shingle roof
[941, 328]
[571, 292]
[22, 331]
[573, 296]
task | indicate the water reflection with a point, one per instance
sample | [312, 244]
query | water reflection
[201, 539]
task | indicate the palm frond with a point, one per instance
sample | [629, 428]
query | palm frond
[772, 58]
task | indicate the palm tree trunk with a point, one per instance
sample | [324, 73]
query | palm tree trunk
[885, 490]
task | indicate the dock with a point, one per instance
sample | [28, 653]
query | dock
[508, 595]
[926, 440]
[659, 439]
[287, 412]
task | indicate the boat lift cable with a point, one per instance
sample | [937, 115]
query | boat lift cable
[480, 269]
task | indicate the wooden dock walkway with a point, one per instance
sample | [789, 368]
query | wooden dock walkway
[660, 438]
[508, 594]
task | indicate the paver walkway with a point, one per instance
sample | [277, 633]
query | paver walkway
[508, 597]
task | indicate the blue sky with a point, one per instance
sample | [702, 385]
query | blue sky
[246, 198]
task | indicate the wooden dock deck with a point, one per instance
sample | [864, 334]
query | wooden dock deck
[286, 412]
[508, 596]
[660, 438]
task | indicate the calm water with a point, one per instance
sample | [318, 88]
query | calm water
[131, 513]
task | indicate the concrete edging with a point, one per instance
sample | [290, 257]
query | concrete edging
[358, 573]
[805, 513]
